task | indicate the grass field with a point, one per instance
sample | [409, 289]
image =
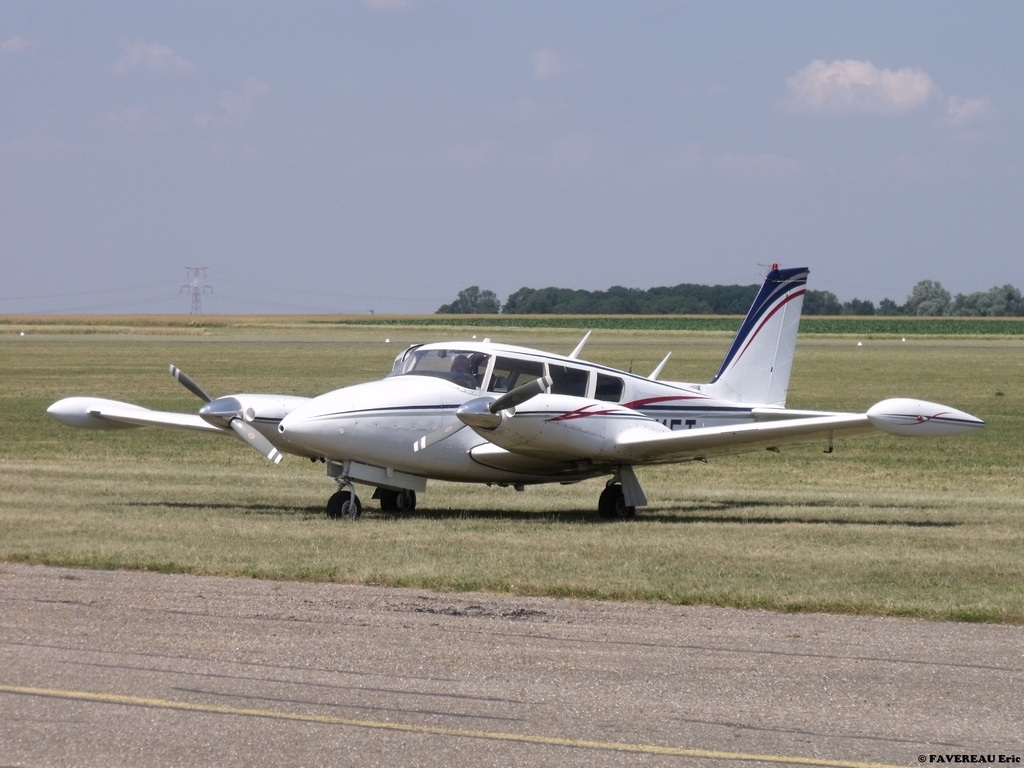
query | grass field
[883, 526]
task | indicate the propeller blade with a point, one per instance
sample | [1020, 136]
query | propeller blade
[256, 440]
[520, 394]
[227, 411]
[483, 413]
[190, 385]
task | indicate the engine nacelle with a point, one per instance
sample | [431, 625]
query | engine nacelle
[564, 427]
[252, 408]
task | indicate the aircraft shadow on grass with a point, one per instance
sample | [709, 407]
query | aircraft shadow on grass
[708, 512]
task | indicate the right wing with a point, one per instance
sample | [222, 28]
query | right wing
[562, 428]
[642, 446]
[99, 413]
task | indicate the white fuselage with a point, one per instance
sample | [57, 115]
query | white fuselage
[379, 423]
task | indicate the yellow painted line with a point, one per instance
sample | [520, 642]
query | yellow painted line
[612, 746]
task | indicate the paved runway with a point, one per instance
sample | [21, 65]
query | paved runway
[132, 669]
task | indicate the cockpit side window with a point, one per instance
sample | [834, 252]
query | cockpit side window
[509, 373]
[461, 367]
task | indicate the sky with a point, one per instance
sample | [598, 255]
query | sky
[383, 155]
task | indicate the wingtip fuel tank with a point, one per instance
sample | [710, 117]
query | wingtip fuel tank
[908, 417]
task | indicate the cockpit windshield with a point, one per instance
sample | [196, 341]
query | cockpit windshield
[465, 368]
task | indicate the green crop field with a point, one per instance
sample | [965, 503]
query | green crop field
[881, 526]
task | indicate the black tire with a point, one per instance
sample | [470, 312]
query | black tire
[398, 502]
[406, 501]
[612, 504]
[344, 504]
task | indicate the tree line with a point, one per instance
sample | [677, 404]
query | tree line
[927, 299]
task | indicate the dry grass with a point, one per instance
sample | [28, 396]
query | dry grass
[883, 526]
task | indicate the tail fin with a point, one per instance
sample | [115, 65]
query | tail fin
[758, 365]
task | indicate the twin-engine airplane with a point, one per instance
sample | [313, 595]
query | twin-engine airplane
[534, 417]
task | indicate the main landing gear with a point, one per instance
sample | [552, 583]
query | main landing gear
[618, 501]
[395, 501]
[395, 490]
[612, 503]
[345, 504]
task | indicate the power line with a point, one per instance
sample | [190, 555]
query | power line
[94, 292]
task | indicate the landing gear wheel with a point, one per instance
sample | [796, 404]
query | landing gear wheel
[396, 501]
[612, 504]
[344, 504]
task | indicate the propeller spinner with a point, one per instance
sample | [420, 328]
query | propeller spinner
[227, 412]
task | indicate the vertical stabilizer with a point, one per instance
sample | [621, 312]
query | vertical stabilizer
[758, 365]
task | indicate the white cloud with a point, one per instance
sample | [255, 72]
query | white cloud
[233, 106]
[548, 64]
[961, 112]
[155, 57]
[852, 87]
[15, 45]
[237, 104]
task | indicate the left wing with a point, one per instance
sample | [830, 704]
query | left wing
[252, 418]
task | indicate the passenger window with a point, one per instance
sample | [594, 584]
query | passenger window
[609, 388]
[568, 381]
[509, 373]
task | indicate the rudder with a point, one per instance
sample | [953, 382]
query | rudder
[758, 365]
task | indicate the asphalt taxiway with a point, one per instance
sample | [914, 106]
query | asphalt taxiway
[117, 668]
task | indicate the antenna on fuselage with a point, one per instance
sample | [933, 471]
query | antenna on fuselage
[579, 347]
[657, 371]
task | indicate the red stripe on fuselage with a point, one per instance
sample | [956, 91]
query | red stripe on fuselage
[582, 413]
[636, 405]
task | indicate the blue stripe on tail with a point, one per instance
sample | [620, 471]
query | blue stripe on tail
[779, 287]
